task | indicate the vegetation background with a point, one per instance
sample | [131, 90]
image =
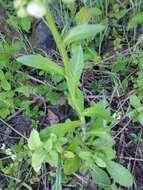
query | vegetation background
[76, 124]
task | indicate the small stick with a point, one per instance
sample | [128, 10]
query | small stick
[13, 129]
[121, 130]
[131, 158]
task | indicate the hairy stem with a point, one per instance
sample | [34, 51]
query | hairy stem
[58, 40]
[51, 24]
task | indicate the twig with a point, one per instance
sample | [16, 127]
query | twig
[13, 129]
[124, 52]
[121, 130]
[17, 180]
[131, 158]
[5, 158]
[81, 178]
[14, 115]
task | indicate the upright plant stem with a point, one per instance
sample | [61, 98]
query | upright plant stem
[58, 183]
[51, 24]
[58, 39]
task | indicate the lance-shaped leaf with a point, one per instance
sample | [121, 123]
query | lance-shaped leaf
[40, 62]
[76, 65]
[83, 32]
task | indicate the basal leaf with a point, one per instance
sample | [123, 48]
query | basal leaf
[100, 177]
[119, 173]
[40, 62]
[83, 32]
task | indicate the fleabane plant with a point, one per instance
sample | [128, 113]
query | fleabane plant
[67, 145]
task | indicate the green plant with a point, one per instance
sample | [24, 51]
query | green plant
[137, 113]
[65, 146]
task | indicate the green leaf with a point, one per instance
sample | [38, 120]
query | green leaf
[48, 145]
[99, 161]
[120, 174]
[38, 158]
[3, 81]
[26, 23]
[98, 132]
[34, 141]
[40, 62]
[135, 20]
[76, 100]
[85, 155]
[120, 14]
[25, 90]
[109, 153]
[58, 184]
[76, 65]
[113, 187]
[97, 110]
[135, 101]
[71, 165]
[52, 158]
[91, 54]
[100, 177]
[59, 129]
[103, 140]
[5, 84]
[85, 14]
[69, 154]
[140, 118]
[83, 32]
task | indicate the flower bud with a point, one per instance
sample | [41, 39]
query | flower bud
[36, 9]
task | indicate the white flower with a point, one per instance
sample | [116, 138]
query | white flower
[36, 9]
